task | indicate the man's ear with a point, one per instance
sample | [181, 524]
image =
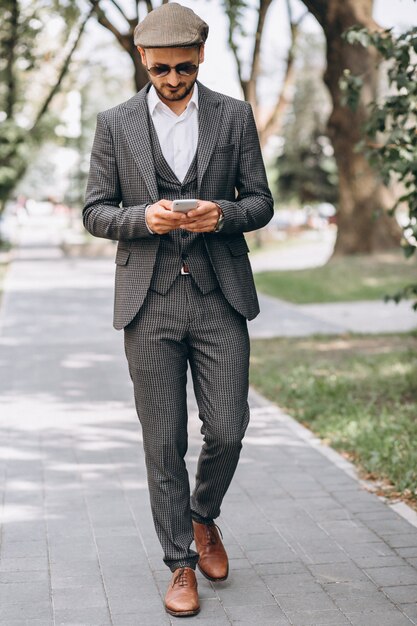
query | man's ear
[201, 53]
[142, 54]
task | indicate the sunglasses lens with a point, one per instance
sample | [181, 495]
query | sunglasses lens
[161, 70]
[186, 69]
[183, 69]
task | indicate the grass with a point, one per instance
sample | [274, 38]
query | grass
[358, 393]
[342, 279]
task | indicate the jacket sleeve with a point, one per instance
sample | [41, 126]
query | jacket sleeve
[254, 206]
[103, 215]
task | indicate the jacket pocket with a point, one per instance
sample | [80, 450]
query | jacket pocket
[122, 256]
[238, 246]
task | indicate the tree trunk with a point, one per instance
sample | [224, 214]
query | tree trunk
[363, 224]
[125, 39]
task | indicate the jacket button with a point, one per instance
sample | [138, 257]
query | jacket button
[184, 234]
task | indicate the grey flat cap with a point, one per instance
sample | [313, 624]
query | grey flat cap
[170, 26]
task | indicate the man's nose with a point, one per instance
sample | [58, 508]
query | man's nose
[173, 77]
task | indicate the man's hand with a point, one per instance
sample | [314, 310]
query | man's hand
[161, 219]
[203, 219]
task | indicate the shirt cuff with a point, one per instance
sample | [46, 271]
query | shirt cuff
[146, 221]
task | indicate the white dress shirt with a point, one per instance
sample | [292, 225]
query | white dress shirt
[177, 134]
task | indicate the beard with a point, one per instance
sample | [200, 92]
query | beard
[182, 91]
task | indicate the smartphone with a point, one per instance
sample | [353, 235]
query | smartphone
[184, 205]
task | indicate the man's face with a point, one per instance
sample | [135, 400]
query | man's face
[173, 86]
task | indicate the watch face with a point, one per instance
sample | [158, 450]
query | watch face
[220, 223]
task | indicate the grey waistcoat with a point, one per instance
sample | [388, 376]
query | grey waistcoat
[178, 246]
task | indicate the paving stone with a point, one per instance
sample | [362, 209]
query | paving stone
[294, 567]
[393, 576]
[410, 610]
[301, 601]
[25, 622]
[318, 618]
[86, 616]
[403, 540]
[337, 572]
[237, 564]
[402, 593]
[23, 592]
[379, 618]
[153, 617]
[292, 583]
[376, 601]
[267, 615]
[407, 552]
[317, 557]
[377, 561]
[26, 610]
[81, 597]
[391, 526]
[270, 556]
[351, 589]
[24, 576]
[244, 595]
[23, 564]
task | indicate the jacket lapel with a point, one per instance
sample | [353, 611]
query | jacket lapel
[209, 118]
[136, 127]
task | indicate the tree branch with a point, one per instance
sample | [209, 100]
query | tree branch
[235, 53]
[11, 44]
[64, 70]
[274, 121]
[263, 8]
[119, 8]
[104, 21]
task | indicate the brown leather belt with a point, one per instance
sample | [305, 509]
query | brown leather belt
[185, 270]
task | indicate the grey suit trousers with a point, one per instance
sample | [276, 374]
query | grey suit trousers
[184, 326]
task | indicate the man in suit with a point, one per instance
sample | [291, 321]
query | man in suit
[184, 286]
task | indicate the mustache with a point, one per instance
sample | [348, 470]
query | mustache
[175, 86]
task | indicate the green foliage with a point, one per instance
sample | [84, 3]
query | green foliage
[235, 10]
[342, 279]
[25, 62]
[358, 393]
[390, 133]
[306, 167]
[13, 152]
[308, 171]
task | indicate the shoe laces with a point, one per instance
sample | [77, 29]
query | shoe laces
[181, 578]
[211, 533]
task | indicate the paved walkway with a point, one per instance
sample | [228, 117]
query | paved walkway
[308, 545]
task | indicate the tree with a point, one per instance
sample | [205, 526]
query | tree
[306, 166]
[235, 10]
[22, 62]
[125, 38]
[390, 141]
[364, 225]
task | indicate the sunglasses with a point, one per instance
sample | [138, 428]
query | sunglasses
[183, 69]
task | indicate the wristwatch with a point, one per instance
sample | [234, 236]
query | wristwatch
[220, 222]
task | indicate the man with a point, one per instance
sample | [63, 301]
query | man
[184, 286]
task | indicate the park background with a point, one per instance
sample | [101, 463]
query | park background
[63, 62]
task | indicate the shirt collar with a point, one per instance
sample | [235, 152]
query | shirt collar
[154, 101]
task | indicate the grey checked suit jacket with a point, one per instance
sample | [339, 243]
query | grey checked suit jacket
[122, 183]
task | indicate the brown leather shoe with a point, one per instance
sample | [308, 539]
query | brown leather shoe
[181, 598]
[213, 562]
